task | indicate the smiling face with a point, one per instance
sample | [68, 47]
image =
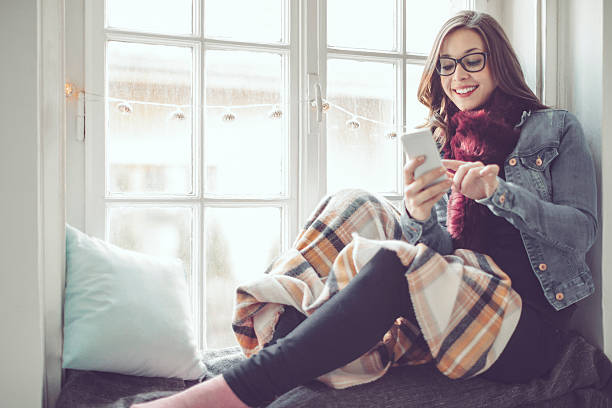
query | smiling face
[467, 90]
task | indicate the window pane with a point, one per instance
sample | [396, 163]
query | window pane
[364, 157]
[240, 244]
[362, 24]
[159, 231]
[423, 21]
[245, 20]
[148, 150]
[247, 155]
[416, 113]
[154, 16]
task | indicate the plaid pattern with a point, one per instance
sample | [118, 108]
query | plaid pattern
[465, 307]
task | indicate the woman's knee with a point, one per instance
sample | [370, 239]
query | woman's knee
[386, 267]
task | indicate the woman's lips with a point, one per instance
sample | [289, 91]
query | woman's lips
[466, 94]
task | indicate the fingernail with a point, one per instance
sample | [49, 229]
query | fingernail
[421, 158]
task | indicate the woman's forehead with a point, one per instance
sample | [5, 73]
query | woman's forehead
[460, 42]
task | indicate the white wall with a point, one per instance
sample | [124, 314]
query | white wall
[75, 149]
[519, 19]
[21, 346]
[606, 170]
[580, 48]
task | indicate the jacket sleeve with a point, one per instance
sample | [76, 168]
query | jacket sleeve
[569, 221]
[431, 232]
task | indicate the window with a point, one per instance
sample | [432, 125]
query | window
[202, 142]
[375, 55]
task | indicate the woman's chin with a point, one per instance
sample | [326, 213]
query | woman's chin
[466, 105]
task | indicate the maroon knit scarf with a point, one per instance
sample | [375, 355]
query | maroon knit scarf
[487, 135]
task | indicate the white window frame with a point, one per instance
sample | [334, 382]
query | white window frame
[314, 55]
[308, 52]
[96, 202]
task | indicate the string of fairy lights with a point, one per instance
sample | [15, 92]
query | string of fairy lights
[230, 112]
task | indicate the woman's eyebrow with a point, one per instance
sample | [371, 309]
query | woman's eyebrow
[464, 52]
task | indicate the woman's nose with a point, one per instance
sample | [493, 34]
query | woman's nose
[460, 73]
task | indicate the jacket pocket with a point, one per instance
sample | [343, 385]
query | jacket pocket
[537, 169]
[541, 159]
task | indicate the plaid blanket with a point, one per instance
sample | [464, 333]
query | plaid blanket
[464, 304]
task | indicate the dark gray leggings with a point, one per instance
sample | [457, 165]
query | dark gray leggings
[352, 322]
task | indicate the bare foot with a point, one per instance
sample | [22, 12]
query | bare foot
[211, 393]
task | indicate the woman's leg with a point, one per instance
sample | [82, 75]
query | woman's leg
[532, 350]
[344, 328]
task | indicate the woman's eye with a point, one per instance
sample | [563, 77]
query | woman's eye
[474, 62]
[447, 67]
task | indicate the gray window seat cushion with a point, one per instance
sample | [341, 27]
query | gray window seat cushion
[581, 378]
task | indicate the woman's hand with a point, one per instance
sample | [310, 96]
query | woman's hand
[473, 179]
[418, 199]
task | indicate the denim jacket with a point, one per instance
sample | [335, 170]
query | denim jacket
[549, 195]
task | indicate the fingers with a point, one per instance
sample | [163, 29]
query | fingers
[419, 184]
[462, 171]
[471, 177]
[418, 198]
[489, 171]
[437, 190]
[419, 202]
[489, 174]
[430, 203]
[452, 164]
[475, 180]
[410, 167]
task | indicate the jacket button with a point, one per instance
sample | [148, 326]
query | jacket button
[559, 296]
[512, 161]
[502, 198]
[542, 266]
[538, 161]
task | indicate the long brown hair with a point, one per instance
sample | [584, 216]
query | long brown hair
[504, 64]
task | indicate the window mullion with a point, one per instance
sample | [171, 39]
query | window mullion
[312, 139]
[95, 149]
[402, 97]
[291, 224]
[200, 290]
[322, 62]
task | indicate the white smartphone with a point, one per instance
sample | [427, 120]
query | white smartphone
[419, 142]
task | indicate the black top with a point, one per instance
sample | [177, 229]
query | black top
[505, 246]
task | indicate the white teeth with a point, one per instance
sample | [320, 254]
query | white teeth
[465, 90]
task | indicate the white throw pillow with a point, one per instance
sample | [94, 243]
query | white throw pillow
[126, 312]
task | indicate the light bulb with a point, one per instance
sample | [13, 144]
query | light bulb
[353, 123]
[229, 116]
[275, 113]
[125, 108]
[177, 114]
[392, 135]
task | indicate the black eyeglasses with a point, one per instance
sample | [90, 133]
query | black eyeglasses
[473, 62]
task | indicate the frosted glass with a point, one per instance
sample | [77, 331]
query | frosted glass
[416, 113]
[153, 16]
[423, 21]
[159, 231]
[245, 20]
[240, 244]
[364, 157]
[246, 156]
[362, 24]
[149, 152]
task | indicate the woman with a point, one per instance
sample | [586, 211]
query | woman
[510, 163]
